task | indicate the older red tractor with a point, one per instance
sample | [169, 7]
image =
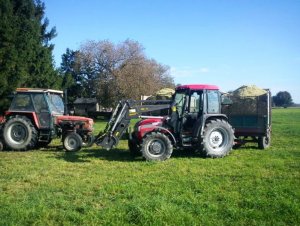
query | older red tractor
[36, 116]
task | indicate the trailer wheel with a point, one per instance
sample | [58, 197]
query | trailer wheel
[72, 142]
[217, 139]
[19, 134]
[156, 147]
[264, 141]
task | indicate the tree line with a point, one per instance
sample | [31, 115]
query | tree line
[110, 72]
[104, 70]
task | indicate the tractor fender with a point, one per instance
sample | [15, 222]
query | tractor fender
[163, 130]
[212, 117]
[30, 115]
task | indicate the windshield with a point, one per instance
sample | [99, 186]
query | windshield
[56, 104]
[179, 101]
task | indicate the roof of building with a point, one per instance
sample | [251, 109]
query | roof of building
[82, 100]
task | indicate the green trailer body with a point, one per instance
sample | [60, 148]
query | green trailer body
[250, 116]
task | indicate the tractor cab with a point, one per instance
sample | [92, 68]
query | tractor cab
[43, 102]
[193, 105]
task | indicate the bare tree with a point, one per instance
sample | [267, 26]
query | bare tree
[115, 72]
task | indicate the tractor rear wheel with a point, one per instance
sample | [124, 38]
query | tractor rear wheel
[72, 142]
[19, 134]
[217, 139]
[156, 147]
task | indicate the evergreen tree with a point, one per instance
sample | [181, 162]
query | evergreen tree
[25, 48]
[71, 79]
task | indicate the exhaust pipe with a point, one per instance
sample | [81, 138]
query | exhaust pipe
[66, 102]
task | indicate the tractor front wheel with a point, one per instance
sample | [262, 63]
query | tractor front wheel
[72, 142]
[156, 147]
[19, 134]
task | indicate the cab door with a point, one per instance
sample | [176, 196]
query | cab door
[193, 111]
[42, 110]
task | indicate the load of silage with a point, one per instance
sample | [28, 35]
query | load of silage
[247, 100]
[249, 91]
[163, 94]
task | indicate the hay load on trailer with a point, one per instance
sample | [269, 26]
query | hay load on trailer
[250, 115]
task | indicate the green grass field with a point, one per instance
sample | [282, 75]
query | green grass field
[99, 187]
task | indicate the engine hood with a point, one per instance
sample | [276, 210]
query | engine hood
[152, 121]
[72, 118]
[87, 122]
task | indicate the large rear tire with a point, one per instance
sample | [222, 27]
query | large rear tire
[19, 134]
[156, 147]
[217, 139]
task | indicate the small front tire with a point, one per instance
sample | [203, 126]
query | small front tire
[156, 147]
[72, 142]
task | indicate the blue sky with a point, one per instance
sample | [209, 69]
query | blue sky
[228, 43]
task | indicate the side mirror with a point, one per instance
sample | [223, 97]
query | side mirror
[226, 100]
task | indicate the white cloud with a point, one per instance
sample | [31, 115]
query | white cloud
[204, 70]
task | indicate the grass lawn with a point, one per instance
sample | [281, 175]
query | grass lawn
[99, 187]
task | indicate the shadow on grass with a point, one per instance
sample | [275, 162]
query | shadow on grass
[85, 155]
[119, 155]
[73, 157]
[116, 154]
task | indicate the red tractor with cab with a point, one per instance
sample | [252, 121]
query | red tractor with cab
[195, 121]
[36, 116]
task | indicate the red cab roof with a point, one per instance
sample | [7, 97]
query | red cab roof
[198, 87]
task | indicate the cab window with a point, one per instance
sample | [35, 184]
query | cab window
[195, 102]
[22, 102]
[213, 102]
[40, 103]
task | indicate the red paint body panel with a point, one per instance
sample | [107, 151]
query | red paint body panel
[28, 114]
[147, 125]
[198, 87]
[72, 118]
[150, 121]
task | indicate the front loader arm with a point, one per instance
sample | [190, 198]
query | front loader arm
[120, 121]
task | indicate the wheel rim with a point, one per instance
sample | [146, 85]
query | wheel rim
[156, 148]
[71, 143]
[218, 139]
[18, 133]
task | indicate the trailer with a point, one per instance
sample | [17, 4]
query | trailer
[250, 117]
